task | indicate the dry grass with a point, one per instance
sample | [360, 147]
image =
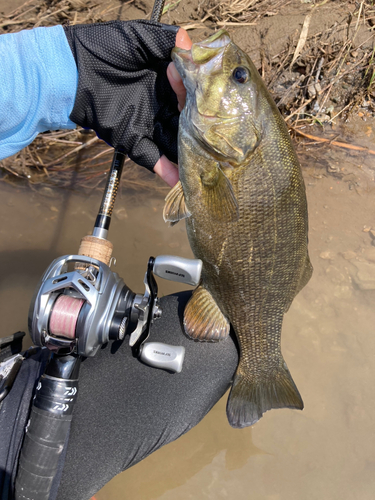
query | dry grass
[231, 12]
[316, 78]
[35, 13]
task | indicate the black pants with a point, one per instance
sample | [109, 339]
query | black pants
[125, 409]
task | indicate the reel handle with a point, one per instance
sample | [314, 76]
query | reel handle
[164, 356]
[170, 267]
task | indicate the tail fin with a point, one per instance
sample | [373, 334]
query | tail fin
[250, 398]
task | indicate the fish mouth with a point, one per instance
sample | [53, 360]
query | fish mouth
[188, 61]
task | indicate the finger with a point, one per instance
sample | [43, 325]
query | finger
[183, 42]
[167, 171]
[176, 83]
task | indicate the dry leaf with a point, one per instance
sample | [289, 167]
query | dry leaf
[302, 38]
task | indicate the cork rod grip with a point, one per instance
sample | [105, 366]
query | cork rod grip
[97, 248]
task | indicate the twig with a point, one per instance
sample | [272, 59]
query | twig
[102, 153]
[239, 24]
[25, 12]
[299, 109]
[334, 143]
[9, 23]
[19, 8]
[75, 150]
[53, 139]
[192, 26]
[359, 17]
[13, 172]
[106, 12]
[61, 134]
[49, 15]
[339, 113]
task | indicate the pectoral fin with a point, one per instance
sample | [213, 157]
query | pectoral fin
[203, 319]
[175, 208]
[218, 195]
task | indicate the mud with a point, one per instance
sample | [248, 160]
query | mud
[324, 452]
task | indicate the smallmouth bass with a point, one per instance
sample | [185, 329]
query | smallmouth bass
[242, 194]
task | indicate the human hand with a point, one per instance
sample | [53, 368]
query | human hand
[164, 168]
[123, 90]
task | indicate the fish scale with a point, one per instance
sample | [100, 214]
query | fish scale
[242, 194]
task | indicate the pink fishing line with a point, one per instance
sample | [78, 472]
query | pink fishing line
[65, 315]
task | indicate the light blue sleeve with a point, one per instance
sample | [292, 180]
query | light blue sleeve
[38, 84]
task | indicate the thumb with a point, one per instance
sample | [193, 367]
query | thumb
[183, 42]
[167, 171]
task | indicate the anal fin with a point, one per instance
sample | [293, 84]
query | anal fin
[304, 279]
[203, 319]
[175, 208]
[306, 275]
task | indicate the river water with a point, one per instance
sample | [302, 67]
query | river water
[324, 452]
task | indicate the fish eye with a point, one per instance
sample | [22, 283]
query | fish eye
[240, 74]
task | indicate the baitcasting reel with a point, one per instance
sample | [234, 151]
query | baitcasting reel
[81, 304]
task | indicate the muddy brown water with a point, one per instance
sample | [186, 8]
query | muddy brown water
[325, 451]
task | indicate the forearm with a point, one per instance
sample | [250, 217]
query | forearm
[37, 86]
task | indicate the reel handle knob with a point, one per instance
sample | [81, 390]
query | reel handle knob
[178, 269]
[159, 355]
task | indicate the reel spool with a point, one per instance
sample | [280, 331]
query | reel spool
[64, 316]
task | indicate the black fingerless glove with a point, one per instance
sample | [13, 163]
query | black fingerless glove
[123, 91]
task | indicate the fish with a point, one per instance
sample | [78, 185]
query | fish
[242, 195]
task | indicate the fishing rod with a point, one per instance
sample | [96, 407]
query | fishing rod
[79, 305]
